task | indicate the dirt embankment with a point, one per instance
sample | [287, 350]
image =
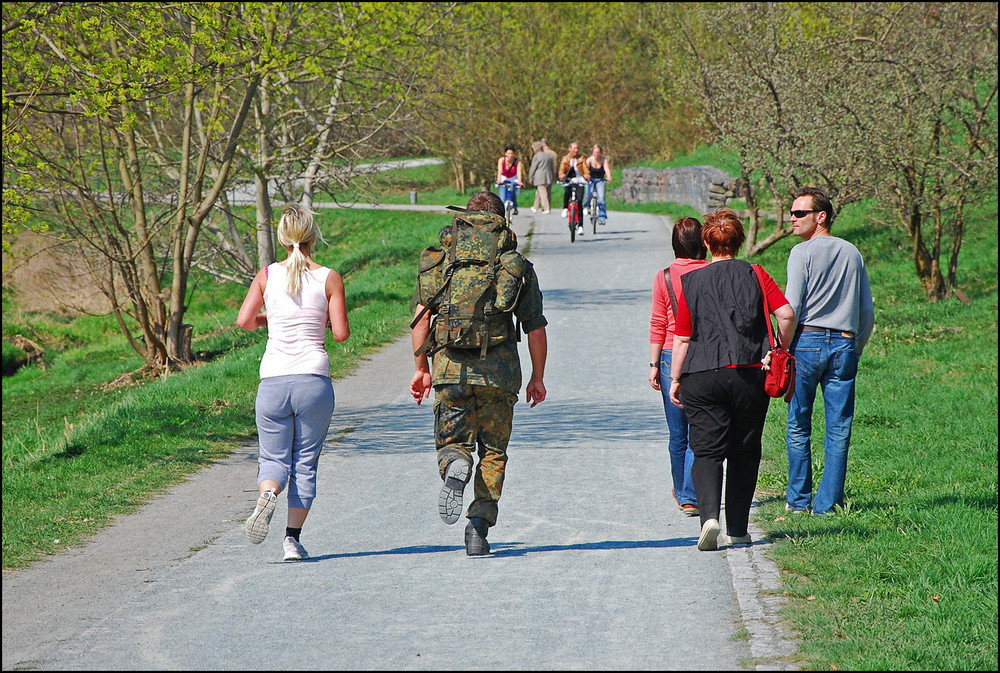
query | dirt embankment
[50, 275]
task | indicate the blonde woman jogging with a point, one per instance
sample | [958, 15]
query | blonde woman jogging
[295, 398]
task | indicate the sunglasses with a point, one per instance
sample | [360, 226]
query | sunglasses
[802, 213]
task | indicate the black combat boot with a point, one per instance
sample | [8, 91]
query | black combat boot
[475, 537]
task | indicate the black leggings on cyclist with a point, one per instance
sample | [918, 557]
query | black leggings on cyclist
[580, 190]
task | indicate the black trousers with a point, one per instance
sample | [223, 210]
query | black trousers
[726, 410]
[580, 191]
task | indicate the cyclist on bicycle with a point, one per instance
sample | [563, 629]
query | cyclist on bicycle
[510, 176]
[600, 176]
[573, 165]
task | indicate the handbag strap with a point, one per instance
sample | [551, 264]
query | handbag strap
[759, 271]
[670, 291]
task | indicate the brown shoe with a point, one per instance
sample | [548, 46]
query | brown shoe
[690, 510]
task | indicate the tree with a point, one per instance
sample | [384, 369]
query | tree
[567, 72]
[769, 88]
[343, 79]
[929, 123]
[126, 104]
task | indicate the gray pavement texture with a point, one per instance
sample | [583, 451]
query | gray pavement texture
[593, 566]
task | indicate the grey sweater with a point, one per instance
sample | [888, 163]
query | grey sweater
[828, 287]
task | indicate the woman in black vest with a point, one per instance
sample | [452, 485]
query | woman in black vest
[720, 339]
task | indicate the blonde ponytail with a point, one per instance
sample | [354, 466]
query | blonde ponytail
[296, 228]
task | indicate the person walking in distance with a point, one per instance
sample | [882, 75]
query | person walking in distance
[828, 289]
[716, 374]
[475, 389]
[295, 397]
[689, 254]
[542, 173]
[551, 152]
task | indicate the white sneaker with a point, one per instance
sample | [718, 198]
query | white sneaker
[579, 230]
[257, 523]
[738, 540]
[294, 551]
[709, 538]
[534, 210]
[565, 212]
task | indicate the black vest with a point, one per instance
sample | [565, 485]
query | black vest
[727, 316]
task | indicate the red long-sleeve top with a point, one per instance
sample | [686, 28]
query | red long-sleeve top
[661, 316]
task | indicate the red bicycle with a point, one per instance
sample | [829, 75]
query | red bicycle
[575, 216]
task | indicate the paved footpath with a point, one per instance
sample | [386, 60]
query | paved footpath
[593, 566]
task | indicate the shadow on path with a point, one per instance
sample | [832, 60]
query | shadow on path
[503, 549]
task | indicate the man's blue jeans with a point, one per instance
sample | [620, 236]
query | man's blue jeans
[681, 455]
[508, 190]
[602, 207]
[828, 360]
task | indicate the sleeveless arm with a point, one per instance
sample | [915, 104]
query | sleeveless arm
[337, 307]
[249, 317]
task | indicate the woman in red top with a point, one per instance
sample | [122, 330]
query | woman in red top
[720, 339]
[690, 254]
[510, 176]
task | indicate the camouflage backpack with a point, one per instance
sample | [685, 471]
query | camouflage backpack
[470, 283]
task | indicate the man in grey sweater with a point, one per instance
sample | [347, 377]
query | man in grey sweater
[829, 292]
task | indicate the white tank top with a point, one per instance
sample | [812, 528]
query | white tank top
[296, 326]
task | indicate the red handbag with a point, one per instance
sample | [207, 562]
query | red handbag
[779, 364]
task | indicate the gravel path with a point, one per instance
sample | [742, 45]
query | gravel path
[593, 565]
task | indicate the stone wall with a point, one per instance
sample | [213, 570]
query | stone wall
[689, 186]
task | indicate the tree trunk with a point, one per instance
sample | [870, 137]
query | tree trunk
[266, 253]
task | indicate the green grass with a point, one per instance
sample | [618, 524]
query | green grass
[904, 579]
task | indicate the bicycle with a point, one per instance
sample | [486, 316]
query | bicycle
[576, 197]
[507, 192]
[593, 204]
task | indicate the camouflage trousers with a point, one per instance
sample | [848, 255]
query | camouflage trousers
[471, 418]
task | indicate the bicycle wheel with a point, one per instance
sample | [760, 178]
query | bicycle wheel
[572, 221]
[593, 209]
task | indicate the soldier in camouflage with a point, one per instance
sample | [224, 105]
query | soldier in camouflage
[474, 397]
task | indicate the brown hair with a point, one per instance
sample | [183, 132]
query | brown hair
[723, 232]
[686, 239]
[820, 201]
[486, 201]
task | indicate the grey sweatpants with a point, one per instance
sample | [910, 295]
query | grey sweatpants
[293, 418]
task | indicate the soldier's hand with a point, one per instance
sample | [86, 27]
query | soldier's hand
[420, 386]
[535, 392]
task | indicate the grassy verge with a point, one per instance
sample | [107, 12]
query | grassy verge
[75, 455]
[905, 578]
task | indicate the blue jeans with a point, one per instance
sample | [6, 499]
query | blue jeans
[825, 359]
[508, 190]
[602, 207]
[681, 455]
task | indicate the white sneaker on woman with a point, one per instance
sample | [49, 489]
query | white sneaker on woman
[294, 551]
[257, 523]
